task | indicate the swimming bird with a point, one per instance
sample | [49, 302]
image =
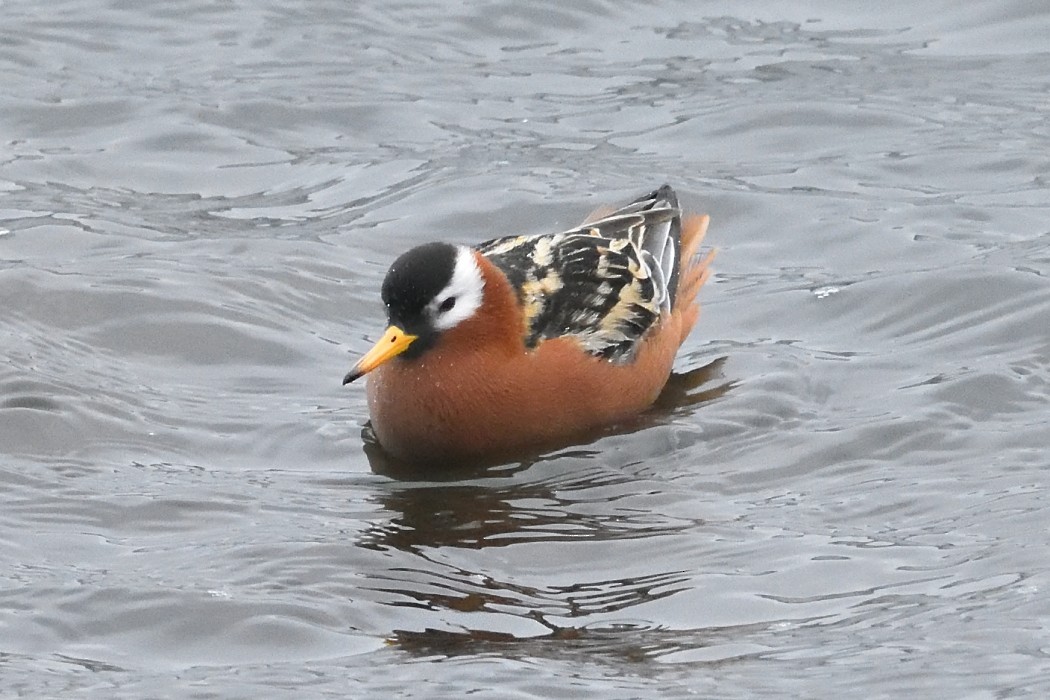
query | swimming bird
[526, 342]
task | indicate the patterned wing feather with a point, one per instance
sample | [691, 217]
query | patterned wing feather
[604, 284]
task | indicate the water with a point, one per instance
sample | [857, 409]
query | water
[198, 202]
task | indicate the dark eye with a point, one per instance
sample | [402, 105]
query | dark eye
[447, 305]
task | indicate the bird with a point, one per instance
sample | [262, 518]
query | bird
[528, 342]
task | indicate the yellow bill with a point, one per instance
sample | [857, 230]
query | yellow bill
[394, 342]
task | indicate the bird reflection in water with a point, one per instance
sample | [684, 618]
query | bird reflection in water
[523, 501]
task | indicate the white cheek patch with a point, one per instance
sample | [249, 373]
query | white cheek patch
[466, 286]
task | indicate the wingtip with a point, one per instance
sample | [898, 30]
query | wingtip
[663, 194]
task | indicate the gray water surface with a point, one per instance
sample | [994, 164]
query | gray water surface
[198, 202]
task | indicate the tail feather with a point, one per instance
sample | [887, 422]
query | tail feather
[694, 272]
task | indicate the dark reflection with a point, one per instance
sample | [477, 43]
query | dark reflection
[622, 642]
[625, 642]
[490, 513]
[467, 591]
[575, 602]
[690, 389]
[476, 506]
[570, 495]
[92, 665]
